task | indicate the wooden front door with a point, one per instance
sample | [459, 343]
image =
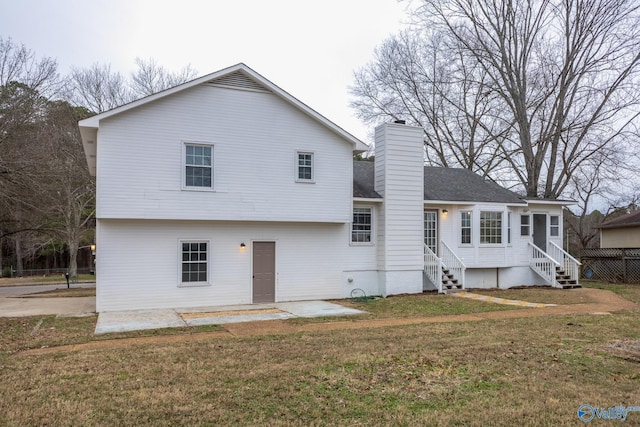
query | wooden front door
[264, 272]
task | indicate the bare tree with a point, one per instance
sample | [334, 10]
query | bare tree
[151, 77]
[97, 88]
[561, 76]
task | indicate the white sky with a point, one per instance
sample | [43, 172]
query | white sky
[310, 48]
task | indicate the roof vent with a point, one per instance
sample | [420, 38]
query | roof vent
[400, 122]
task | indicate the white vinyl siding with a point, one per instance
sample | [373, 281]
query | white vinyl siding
[490, 228]
[310, 260]
[361, 227]
[142, 162]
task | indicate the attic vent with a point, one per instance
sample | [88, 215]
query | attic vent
[238, 80]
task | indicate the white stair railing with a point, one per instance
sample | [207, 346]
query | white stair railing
[569, 264]
[543, 264]
[452, 263]
[433, 267]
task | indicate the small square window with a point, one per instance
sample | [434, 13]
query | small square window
[304, 166]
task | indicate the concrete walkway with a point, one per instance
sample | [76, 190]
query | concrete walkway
[495, 300]
[122, 321]
[12, 305]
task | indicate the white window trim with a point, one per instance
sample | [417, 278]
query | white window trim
[373, 227]
[183, 165]
[182, 284]
[313, 167]
[470, 244]
[502, 230]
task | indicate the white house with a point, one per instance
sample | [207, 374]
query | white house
[228, 190]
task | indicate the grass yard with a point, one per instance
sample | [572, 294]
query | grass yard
[526, 371]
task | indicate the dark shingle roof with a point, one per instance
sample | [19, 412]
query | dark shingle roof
[631, 219]
[364, 179]
[445, 184]
[462, 185]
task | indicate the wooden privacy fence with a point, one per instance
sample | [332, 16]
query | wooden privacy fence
[611, 265]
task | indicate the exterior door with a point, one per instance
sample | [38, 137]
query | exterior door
[264, 272]
[540, 231]
[431, 230]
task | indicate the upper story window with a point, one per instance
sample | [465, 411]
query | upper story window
[361, 225]
[465, 227]
[198, 166]
[554, 222]
[490, 228]
[525, 225]
[304, 166]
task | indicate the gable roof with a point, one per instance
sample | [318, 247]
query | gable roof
[462, 185]
[238, 76]
[632, 219]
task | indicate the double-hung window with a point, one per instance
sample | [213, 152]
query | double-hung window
[554, 225]
[361, 225]
[195, 262]
[490, 227]
[465, 227]
[198, 166]
[304, 166]
[525, 225]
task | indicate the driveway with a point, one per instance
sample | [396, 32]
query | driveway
[12, 305]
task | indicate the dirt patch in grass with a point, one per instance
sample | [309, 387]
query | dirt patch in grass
[542, 295]
[62, 293]
[229, 313]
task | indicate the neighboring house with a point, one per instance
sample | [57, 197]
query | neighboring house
[621, 232]
[228, 190]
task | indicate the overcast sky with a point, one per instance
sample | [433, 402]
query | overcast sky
[308, 48]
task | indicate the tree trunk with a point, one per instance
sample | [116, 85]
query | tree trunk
[73, 258]
[18, 247]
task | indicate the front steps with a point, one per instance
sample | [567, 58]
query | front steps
[564, 280]
[449, 283]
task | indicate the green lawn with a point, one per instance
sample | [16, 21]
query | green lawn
[528, 371]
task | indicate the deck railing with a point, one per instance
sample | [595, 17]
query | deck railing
[543, 264]
[569, 264]
[433, 267]
[452, 263]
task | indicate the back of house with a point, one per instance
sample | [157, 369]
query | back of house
[228, 190]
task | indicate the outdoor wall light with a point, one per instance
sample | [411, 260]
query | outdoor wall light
[93, 248]
[242, 246]
[445, 212]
